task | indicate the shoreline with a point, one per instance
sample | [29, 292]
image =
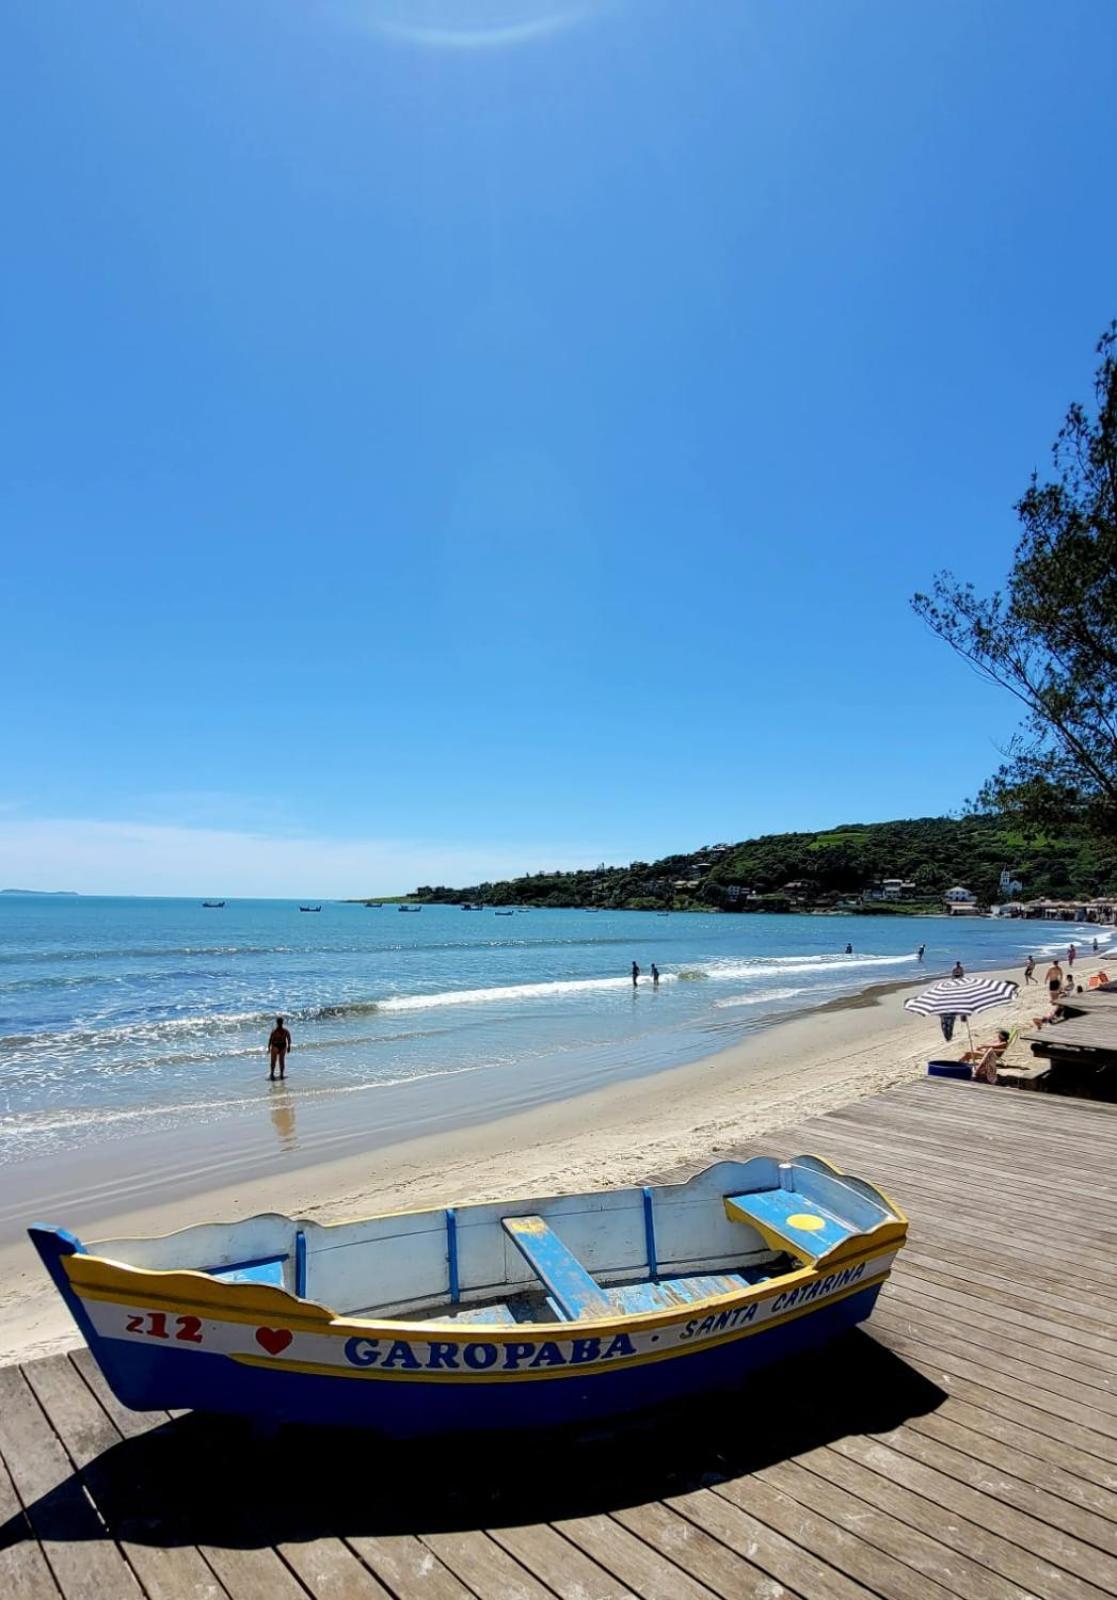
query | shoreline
[654, 1128]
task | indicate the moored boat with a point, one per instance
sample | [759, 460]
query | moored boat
[504, 1315]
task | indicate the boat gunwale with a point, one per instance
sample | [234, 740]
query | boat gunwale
[250, 1302]
[343, 1325]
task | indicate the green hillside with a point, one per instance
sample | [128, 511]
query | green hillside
[933, 853]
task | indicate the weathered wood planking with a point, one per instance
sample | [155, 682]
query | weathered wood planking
[964, 1449]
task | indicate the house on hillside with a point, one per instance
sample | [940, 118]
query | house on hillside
[961, 902]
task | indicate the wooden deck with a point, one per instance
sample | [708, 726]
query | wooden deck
[964, 1446]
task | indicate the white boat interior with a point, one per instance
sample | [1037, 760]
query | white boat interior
[553, 1260]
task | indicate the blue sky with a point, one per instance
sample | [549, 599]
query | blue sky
[511, 440]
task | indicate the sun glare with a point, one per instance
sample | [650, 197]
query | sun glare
[473, 24]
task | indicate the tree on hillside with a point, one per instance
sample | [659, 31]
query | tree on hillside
[1050, 638]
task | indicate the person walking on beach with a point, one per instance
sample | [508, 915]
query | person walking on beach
[279, 1042]
[919, 952]
[958, 970]
[1054, 980]
[655, 976]
[1029, 968]
[635, 974]
[1071, 953]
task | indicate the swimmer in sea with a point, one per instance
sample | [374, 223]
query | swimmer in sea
[279, 1042]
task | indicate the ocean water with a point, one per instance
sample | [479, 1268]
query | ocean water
[120, 1017]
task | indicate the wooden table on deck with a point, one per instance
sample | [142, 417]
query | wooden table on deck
[964, 1446]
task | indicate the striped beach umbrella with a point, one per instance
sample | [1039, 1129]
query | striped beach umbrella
[961, 997]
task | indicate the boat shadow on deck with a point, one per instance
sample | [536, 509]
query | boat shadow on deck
[208, 1480]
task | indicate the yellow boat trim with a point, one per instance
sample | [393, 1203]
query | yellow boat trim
[195, 1293]
[570, 1370]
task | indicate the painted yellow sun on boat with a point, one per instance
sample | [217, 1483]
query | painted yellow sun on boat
[806, 1221]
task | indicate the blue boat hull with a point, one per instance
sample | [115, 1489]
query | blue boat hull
[154, 1378]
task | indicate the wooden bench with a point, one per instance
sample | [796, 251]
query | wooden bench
[572, 1292]
[789, 1221]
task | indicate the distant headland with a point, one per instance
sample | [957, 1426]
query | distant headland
[72, 892]
[926, 865]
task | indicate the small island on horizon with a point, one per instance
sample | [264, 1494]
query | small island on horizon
[48, 892]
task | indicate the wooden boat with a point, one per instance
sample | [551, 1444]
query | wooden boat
[410, 908]
[213, 905]
[505, 1315]
[310, 908]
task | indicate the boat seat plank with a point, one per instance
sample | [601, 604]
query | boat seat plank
[573, 1292]
[501, 1314]
[269, 1269]
[634, 1298]
[789, 1221]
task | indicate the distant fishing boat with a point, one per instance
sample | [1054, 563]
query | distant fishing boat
[504, 913]
[212, 905]
[510, 1314]
[410, 908]
[310, 908]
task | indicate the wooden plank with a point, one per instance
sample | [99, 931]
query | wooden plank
[24, 1573]
[786, 1561]
[1006, 1356]
[407, 1568]
[1010, 1488]
[910, 1296]
[942, 1295]
[1017, 1423]
[330, 1570]
[705, 1558]
[1097, 1434]
[84, 1561]
[1051, 1470]
[978, 1546]
[252, 1574]
[565, 1569]
[644, 1570]
[847, 1552]
[1064, 1567]
[808, 1481]
[166, 1572]
[485, 1566]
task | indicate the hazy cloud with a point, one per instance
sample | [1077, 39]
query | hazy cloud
[99, 857]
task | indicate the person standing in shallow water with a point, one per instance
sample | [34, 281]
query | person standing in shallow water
[279, 1042]
[635, 974]
[655, 976]
[919, 952]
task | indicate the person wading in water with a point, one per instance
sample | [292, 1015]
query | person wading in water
[279, 1042]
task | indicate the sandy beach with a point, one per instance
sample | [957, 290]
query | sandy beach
[655, 1128]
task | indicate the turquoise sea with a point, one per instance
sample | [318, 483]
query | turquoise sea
[126, 1017]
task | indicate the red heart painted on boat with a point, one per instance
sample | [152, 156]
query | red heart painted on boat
[274, 1340]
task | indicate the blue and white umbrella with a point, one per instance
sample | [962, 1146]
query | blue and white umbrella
[961, 997]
